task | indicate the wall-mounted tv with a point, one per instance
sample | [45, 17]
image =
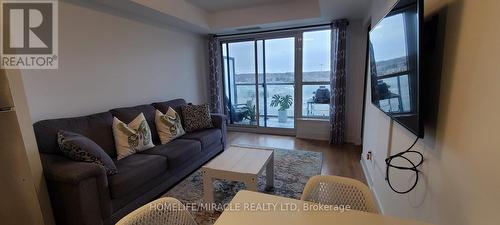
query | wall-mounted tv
[394, 53]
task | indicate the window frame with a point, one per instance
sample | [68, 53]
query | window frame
[303, 83]
[297, 34]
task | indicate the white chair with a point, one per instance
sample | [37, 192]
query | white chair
[334, 190]
[163, 211]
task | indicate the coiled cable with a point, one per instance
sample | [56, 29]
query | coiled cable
[413, 167]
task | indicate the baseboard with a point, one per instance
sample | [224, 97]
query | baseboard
[272, 131]
[353, 140]
[365, 173]
[369, 180]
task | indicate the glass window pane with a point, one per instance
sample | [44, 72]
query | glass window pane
[394, 94]
[315, 100]
[389, 45]
[243, 54]
[316, 56]
[245, 94]
[281, 90]
[241, 76]
[272, 111]
[280, 60]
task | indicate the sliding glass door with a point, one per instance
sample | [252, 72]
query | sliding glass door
[270, 80]
[271, 62]
[240, 82]
[277, 82]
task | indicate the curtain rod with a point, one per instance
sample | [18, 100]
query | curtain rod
[275, 30]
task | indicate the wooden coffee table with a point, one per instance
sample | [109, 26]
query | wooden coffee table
[238, 163]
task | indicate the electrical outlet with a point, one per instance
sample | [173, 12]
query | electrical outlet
[369, 155]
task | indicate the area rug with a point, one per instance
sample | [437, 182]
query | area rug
[292, 170]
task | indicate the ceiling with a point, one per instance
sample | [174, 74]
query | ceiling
[221, 5]
[229, 16]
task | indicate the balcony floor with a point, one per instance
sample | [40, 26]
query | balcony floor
[272, 121]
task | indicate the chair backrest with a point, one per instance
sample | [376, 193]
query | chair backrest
[334, 190]
[164, 211]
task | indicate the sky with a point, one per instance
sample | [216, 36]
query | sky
[388, 38]
[279, 54]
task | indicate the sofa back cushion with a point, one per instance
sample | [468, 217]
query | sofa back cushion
[96, 127]
[176, 104]
[127, 114]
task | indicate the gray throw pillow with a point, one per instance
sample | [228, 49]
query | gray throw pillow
[80, 148]
[196, 117]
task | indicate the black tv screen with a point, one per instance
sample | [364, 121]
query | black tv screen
[394, 52]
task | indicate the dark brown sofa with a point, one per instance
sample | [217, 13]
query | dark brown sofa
[82, 193]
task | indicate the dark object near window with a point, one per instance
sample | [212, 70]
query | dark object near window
[322, 95]
[383, 90]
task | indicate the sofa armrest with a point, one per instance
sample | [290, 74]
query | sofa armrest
[78, 191]
[59, 169]
[220, 121]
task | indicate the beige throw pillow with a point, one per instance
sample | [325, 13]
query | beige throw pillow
[168, 125]
[133, 137]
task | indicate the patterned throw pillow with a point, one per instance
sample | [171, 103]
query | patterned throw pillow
[133, 137]
[80, 148]
[168, 125]
[196, 117]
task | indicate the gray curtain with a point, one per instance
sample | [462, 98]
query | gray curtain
[338, 81]
[215, 74]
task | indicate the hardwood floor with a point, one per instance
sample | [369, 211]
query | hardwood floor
[340, 160]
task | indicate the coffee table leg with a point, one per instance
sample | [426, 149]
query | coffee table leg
[252, 184]
[270, 172]
[208, 192]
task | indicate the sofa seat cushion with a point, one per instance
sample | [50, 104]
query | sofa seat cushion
[177, 152]
[206, 137]
[134, 171]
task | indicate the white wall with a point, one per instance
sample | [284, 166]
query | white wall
[314, 129]
[109, 59]
[355, 65]
[460, 182]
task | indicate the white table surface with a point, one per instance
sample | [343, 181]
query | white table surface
[279, 215]
[236, 163]
[240, 160]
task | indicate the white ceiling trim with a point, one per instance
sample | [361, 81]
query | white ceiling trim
[264, 15]
[222, 5]
[180, 9]
[188, 15]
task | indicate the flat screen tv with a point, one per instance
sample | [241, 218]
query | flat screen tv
[394, 54]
